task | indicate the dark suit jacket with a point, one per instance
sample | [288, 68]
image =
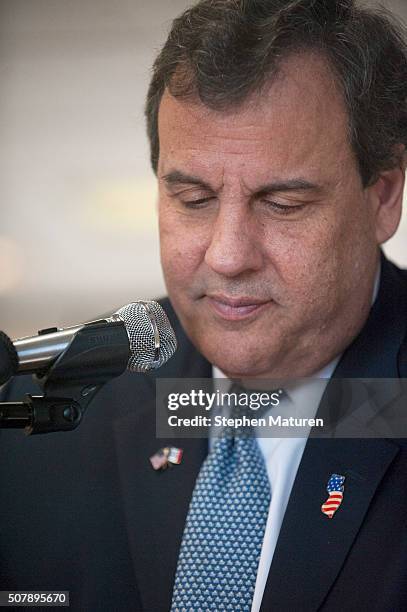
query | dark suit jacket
[84, 511]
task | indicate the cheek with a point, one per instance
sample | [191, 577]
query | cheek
[301, 253]
[310, 259]
[324, 262]
[182, 247]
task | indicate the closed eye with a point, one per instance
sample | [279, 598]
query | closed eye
[195, 204]
[283, 208]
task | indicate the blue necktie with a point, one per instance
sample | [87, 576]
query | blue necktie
[224, 530]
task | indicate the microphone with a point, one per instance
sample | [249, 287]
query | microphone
[138, 336]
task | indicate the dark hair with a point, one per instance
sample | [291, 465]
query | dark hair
[223, 50]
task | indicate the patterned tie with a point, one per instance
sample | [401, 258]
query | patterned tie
[224, 530]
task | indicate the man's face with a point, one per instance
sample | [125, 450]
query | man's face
[268, 239]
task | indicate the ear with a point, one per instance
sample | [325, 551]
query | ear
[386, 199]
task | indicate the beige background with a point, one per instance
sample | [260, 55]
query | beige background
[78, 231]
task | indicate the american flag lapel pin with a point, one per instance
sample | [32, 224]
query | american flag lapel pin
[169, 455]
[335, 490]
[174, 455]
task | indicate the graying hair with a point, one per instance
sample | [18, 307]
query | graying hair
[224, 50]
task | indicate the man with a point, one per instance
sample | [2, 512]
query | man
[278, 133]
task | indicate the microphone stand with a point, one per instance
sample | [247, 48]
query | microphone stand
[72, 381]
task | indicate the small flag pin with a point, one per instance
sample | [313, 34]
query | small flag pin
[169, 455]
[335, 489]
[174, 455]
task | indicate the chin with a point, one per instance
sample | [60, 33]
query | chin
[234, 364]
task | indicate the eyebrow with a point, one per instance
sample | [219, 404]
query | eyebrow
[176, 177]
[179, 178]
[296, 184]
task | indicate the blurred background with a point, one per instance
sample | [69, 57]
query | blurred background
[78, 226]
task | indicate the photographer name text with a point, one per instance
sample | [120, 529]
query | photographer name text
[243, 422]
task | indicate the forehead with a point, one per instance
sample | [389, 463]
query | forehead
[299, 120]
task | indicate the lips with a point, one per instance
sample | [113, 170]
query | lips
[236, 309]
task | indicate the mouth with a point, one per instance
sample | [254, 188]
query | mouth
[236, 309]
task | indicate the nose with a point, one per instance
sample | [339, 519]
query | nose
[234, 246]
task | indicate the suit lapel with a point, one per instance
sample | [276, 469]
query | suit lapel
[156, 502]
[311, 548]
